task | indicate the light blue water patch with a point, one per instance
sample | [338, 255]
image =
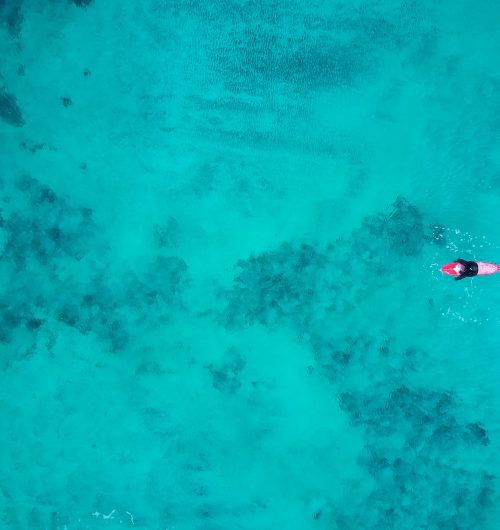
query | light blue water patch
[221, 228]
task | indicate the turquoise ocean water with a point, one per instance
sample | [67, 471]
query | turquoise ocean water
[221, 229]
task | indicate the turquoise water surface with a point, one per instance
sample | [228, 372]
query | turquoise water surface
[221, 228]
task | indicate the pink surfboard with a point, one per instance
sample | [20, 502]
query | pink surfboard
[454, 268]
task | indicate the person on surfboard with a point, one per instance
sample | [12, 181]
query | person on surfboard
[470, 268]
[460, 268]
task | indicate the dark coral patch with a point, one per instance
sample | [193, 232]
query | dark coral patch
[419, 471]
[11, 14]
[46, 228]
[167, 235]
[82, 3]
[10, 112]
[225, 375]
[271, 45]
[402, 228]
[279, 285]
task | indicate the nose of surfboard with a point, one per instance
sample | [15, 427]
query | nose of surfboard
[453, 268]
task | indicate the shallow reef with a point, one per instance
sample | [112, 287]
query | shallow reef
[46, 228]
[418, 448]
[143, 301]
[277, 286]
[37, 236]
[427, 416]
[48, 247]
[298, 282]
[413, 439]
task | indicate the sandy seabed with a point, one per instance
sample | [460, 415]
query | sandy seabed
[221, 226]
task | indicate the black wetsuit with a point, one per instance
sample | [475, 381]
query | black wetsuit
[470, 269]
